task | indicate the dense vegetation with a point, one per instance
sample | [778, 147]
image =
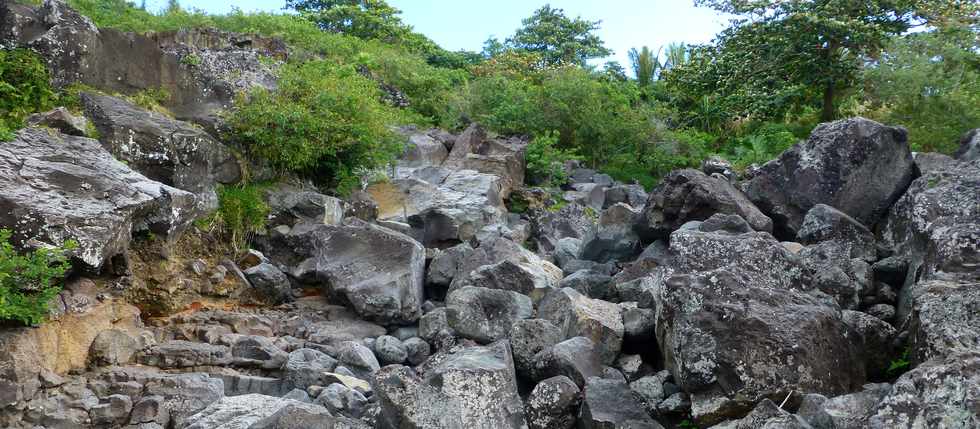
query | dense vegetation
[24, 88]
[29, 281]
[759, 87]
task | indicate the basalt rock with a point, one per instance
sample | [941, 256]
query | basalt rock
[858, 166]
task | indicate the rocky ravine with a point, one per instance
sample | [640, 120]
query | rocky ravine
[778, 300]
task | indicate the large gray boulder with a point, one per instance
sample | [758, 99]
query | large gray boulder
[935, 226]
[454, 210]
[421, 150]
[379, 272]
[486, 315]
[850, 411]
[553, 404]
[254, 411]
[945, 319]
[578, 315]
[459, 388]
[55, 188]
[473, 150]
[689, 195]
[614, 239]
[503, 264]
[856, 165]
[163, 149]
[610, 404]
[825, 223]
[941, 393]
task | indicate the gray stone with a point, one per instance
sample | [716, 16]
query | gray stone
[578, 315]
[340, 399]
[527, 339]
[255, 350]
[731, 223]
[633, 195]
[849, 411]
[112, 347]
[358, 358]
[576, 358]
[874, 339]
[553, 404]
[650, 389]
[113, 412]
[62, 120]
[271, 284]
[766, 415]
[37, 186]
[390, 350]
[417, 350]
[945, 319]
[939, 393]
[689, 195]
[610, 404]
[824, 223]
[485, 315]
[185, 354]
[858, 166]
[969, 149]
[615, 239]
[592, 284]
[241, 412]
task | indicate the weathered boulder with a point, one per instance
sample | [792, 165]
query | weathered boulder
[553, 404]
[185, 354]
[939, 393]
[166, 150]
[112, 347]
[856, 165]
[42, 174]
[247, 411]
[62, 120]
[610, 404]
[930, 161]
[305, 367]
[445, 266]
[486, 315]
[271, 284]
[633, 195]
[824, 223]
[591, 284]
[850, 411]
[421, 150]
[578, 315]
[969, 149]
[528, 338]
[728, 338]
[357, 358]
[506, 265]
[183, 395]
[945, 319]
[687, 195]
[499, 157]
[379, 272]
[389, 350]
[548, 228]
[453, 211]
[874, 339]
[577, 358]
[935, 226]
[289, 205]
[461, 387]
[833, 272]
[766, 415]
[614, 240]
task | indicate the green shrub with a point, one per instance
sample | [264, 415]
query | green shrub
[151, 99]
[546, 162]
[242, 211]
[29, 281]
[324, 121]
[24, 88]
[764, 144]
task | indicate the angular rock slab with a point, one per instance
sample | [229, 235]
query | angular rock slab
[578, 315]
[456, 209]
[465, 387]
[730, 342]
[55, 188]
[166, 150]
[257, 411]
[687, 195]
[610, 404]
[945, 319]
[941, 393]
[379, 272]
[856, 165]
[486, 315]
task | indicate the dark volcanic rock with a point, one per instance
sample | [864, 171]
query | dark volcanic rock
[614, 239]
[945, 319]
[687, 195]
[578, 315]
[825, 223]
[379, 272]
[55, 187]
[168, 151]
[610, 404]
[553, 404]
[485, 315]
[969, 149]
[941, 393]
[856, 165]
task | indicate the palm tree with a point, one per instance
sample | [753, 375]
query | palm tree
[645, 65]
[677, 54]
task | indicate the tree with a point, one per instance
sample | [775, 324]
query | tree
[817, 46]
[677, 55]
[615, 71]
[645, 65]
[366, 19]
[558, 38]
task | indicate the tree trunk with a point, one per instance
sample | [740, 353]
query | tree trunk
[829, 113]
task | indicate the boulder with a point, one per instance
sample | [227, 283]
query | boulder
[687, 195]
[930, 161]
[183, 395]
[591, 284]
[462, 387]
[528, 338]
[112, 347]
[717, 165]
[633, 195]
[166, 150]
[849, 411]
[969, 149]
[939, 393]
[445, 266]
[577, 358]
[62, 120]
[945, 319]
[417, 350]
[455, 210]
[874, 339]
[185, 354]
[570, 221]
[505, 265]
[610, 404]
[246, 411]
[578, 315]
[614, 240]
[473, 150]
[270, 284]
[552, 404]
[486, 315]
[935, 226]
[258, 351]
[824, 223]
[845, 279]
[857, 166]
[358, 358]
[289, 205]
[342, 400]
[711, 325]
[378, 271]
[389, 350]
[43, 173]
[305, 367]
[766, 415]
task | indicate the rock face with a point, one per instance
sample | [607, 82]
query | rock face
[945, 319]
[42, 174]
[688, 195]
[168, 151]
[935, 226]
[502, 158]
[611, 404]
[577, 315]
[856, 165]
[939, 393]
[969, 149]
[222, 65]
[377, 271]
[614, 240]
[465, 387]
[486, 315]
